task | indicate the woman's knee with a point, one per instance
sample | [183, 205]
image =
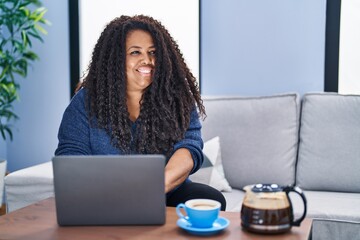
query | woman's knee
[192, 190]
[209, 192]
[220, 198]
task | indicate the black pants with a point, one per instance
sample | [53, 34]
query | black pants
[192, 190]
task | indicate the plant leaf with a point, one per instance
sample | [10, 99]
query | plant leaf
[6, 128]
[40, 13]
[41, 29]
[24, 37]
[31, 55]
[36, 36]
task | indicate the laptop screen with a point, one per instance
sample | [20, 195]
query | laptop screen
[109, 189]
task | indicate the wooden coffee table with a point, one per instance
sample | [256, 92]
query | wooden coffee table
[38, 221]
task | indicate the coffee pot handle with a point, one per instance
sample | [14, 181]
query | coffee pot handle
[297, 190]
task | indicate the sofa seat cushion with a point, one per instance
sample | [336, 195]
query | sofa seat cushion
[336, 215]
[259, 137]
[329, 149]
[334, 206]
[234, 200]
[29, 185]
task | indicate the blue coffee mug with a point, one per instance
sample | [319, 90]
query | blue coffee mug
[201, 213]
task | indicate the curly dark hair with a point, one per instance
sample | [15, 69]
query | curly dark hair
[166, 104]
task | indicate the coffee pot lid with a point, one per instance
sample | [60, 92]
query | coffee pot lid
[260, 187]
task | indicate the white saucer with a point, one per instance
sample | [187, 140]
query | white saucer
[219, 224]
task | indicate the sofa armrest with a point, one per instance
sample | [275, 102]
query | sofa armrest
[29, 185]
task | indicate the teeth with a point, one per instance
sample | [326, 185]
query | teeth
[144, 70]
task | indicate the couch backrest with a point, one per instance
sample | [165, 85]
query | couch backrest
[258, 136]
[329, 149]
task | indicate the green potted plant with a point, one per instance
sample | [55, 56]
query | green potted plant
[20, 23]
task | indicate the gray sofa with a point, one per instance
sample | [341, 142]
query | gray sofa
[313, 142]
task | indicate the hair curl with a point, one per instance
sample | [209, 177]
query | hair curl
[166, 104]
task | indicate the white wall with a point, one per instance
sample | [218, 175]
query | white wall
[3, 149]
[44, 94]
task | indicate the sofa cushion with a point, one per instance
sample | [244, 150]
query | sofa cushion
[334, 206]
[336, 215]
[234, 200]
[212, 172]
[329, 152]
[258, 135]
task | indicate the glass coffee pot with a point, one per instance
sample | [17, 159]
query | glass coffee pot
[267, 208]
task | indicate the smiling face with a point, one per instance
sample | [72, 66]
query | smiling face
[140, 60]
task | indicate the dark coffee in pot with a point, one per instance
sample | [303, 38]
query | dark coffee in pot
[266, 220]
[267, 208]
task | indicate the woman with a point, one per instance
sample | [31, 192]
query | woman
[139, 97]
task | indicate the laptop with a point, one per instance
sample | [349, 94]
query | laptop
[109, 190]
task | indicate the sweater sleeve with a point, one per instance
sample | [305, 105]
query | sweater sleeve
[73, 133]
[193, 141]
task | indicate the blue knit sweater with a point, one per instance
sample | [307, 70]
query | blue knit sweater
[76, 137]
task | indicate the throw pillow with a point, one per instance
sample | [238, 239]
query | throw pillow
[212, 172]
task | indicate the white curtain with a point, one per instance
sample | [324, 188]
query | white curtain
[180, 17]
[349, 56]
